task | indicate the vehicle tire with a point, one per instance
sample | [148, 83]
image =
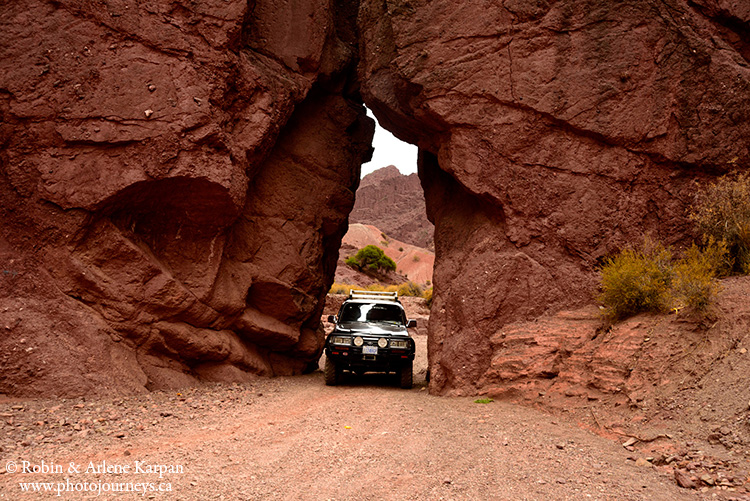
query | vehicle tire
[406, 376]
[332, 373]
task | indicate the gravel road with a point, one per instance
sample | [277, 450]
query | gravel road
[296, 439]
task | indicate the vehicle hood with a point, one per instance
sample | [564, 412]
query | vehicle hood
[368, 329]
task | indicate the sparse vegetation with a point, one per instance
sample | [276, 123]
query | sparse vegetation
[636, 281]
[415, 258]
[371, 258]
[410, 289]
[722, 213]
[405, 289]
[695, 285]
[647, 280]
[337, 288]
[483, 401]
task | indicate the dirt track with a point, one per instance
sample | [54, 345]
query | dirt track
[294, 438]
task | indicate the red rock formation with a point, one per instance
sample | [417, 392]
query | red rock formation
[551, 134]
[174, 185]
[394, 203]
[175, 177]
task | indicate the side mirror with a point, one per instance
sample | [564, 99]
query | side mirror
[332, 319]
[411, 323]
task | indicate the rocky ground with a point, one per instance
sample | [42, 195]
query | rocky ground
[295, 438]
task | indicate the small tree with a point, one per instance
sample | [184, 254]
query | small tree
[371, 258]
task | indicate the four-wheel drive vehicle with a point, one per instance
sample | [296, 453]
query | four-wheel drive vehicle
[370, 336]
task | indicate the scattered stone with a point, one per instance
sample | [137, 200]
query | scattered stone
[684, 480]
[708, 479]
[640, 462]
[629, 442]
[148, 113]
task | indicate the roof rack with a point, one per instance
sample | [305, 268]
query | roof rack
[380, 295]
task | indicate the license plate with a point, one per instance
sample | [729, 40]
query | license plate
[369, 350]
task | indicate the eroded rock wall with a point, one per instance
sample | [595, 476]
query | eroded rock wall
[551, 133]
[175, 180]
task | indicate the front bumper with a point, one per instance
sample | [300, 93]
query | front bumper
[353, 357]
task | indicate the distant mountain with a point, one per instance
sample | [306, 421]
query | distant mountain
[394, 203]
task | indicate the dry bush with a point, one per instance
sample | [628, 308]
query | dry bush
[722, 213]
[410, 289]
[337, 288]
[695, 285]
[646, 279]
[637, 280]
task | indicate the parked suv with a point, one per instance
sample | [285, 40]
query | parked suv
[370, 335]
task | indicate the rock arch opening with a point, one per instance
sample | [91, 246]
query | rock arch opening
[549, 135]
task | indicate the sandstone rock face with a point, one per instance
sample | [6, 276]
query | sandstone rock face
[551, 134]
[394, 203]
[175, 180]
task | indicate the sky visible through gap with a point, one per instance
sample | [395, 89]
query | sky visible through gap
[390, 151]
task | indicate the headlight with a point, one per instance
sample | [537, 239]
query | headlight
[382, 342]
[341, 340]
[358, 341]
[399, 344]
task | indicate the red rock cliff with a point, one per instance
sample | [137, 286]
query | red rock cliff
[175, 180]
[394, 203]
[551, 133]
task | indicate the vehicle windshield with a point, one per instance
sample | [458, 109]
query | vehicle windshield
[364, 312]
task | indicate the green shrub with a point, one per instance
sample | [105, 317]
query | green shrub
[371, 258]
[636, 281]
[722, 212]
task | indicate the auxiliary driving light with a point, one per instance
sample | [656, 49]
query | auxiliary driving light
[358, 341]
